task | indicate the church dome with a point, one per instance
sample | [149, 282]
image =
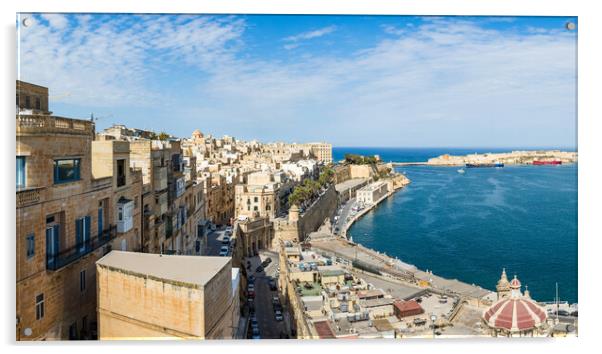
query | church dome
[197, 134]
[515, 283]
[516, 312]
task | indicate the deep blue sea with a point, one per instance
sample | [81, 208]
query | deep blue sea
[468, 226]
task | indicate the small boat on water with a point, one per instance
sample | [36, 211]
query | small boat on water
[461, 171]
[476, 165]
[547, 162]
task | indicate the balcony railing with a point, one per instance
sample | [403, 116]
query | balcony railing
[45, 124]
[72, 254]
[28, 196]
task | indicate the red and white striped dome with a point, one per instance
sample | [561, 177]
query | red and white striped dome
[515, 314]
[515, 283]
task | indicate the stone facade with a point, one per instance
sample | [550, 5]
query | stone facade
[33, 98]
[65, 222]
[371, 193]
[146, 296]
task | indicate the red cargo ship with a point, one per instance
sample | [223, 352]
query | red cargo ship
[552, 162]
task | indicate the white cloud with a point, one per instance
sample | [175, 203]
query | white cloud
[392, 30]
[447, 82]
[311, 34]
[56, 21]
[108, 60]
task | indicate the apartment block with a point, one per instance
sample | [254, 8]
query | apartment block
[65, 221]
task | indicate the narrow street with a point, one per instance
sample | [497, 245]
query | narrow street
[214, 242]
[269, 327]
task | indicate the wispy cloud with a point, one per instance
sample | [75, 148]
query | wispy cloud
[296, 39]
[108, 60]
[441, 82]
[392, 30]
[445, 81]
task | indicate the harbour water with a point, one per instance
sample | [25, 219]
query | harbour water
[468, 226]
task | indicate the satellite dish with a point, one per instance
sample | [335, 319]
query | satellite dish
[27, 22]
[27, 331]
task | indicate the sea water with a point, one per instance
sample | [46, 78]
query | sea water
[469, 226]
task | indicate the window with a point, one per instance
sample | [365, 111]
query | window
[38, 103]
[20, 171]
[100, 221]
[27, 102]
[256, 199]
[66, 170]
[120, 172]
[30, 245]
[125, 212]
[82, 232]
[52, 244]
[82, 280]
[39, 306]
[255, 208]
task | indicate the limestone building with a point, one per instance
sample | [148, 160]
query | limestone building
[32, 98]
[65, 221]
[150, 296]
[371, 193]
[322, 151]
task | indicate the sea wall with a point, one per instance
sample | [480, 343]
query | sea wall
[311, 220]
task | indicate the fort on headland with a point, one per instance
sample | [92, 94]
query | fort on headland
[527, 157]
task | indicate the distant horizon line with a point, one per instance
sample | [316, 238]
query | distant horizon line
[458, 147]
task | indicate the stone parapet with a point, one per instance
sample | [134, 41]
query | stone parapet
[46, 124]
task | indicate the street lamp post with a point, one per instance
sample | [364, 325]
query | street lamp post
[433, 318]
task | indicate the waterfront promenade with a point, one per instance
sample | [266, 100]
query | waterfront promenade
[359, 256]
[396, 269]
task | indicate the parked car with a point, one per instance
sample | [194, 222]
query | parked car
[419, 321]
[278, 315]
[255, 333]
[223, 253]
[275, 300]
[251, 279]
[254, 323]
[226, 240]
[278, 307]
[259, 269]
[273, 285]
[268, 260]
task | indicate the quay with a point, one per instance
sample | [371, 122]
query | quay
[398, 164]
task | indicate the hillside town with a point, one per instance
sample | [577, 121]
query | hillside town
[128, 234]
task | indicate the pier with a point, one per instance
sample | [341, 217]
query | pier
[397, 164]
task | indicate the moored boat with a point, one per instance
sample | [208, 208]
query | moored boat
[548, 162]
[475, 165]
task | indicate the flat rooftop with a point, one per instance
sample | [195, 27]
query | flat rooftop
[194, 271]
[372, 186]
[351, 183]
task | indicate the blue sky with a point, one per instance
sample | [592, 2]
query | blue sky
[350, 80]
